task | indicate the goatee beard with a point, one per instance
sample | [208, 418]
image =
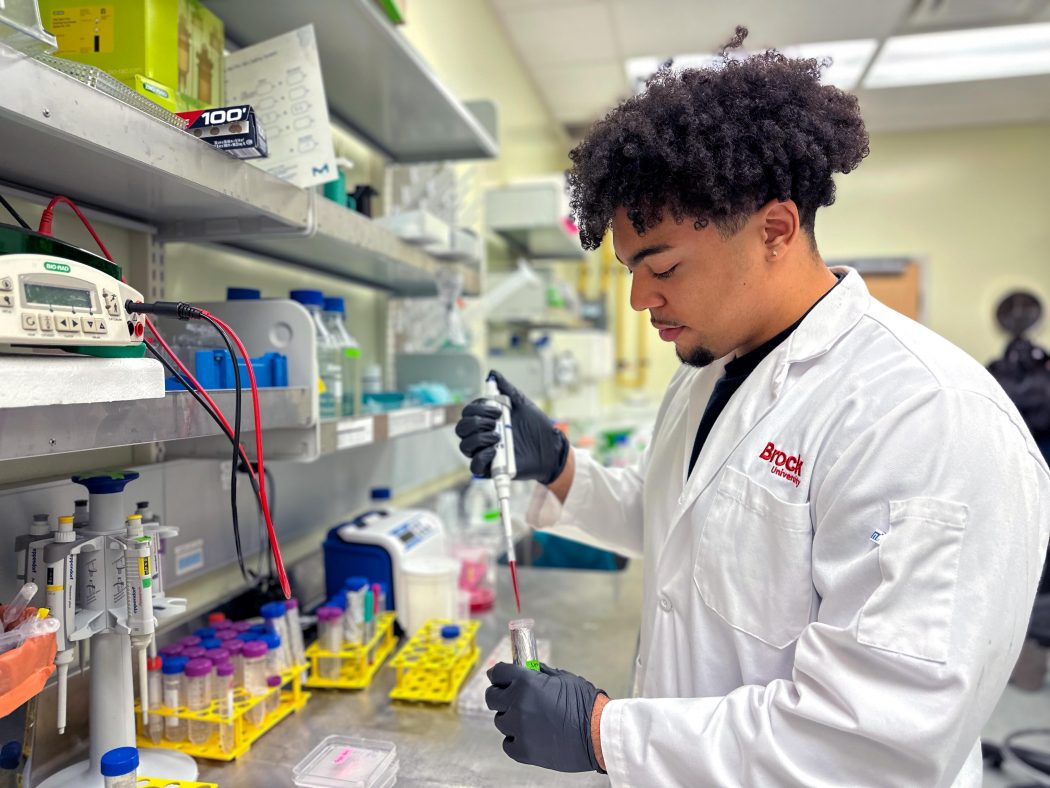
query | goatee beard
[698, 357]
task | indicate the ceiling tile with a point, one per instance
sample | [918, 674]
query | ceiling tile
[678, 27]
[566, 33]
[583, 92]
[993, 101]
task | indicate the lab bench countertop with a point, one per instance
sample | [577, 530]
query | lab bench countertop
[591, 619]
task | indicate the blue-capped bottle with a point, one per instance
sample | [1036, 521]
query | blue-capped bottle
[329, 369]
[349, 354]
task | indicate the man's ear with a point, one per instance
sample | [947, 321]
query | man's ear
[780, 226]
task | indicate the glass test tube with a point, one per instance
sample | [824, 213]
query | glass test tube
[523, 644]
[295, 629]
[198, 697]
[224, 697]
[120, 767]
[273, 683]
[174, 728]
[275, 615]
[330, 635]
[255, 673]
[155, 682]
[356, 589]
[236, 648]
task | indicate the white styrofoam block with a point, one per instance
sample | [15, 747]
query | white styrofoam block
[29, 381]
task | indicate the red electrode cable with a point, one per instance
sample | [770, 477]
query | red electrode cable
[48, 216]
[278, 562]
[259, 479]
[46, 220]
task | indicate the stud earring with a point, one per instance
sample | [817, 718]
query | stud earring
[774, 252]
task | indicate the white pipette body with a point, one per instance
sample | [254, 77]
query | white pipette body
[504, 468]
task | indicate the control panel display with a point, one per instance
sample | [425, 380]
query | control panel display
[49, 295]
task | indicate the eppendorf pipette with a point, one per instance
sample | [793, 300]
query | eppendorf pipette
[503, 470]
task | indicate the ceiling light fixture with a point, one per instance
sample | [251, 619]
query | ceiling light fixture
[962, 56]
[848, 61]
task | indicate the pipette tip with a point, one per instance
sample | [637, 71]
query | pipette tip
[514, 582]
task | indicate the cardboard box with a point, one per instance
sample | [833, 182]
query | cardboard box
[152, 46]
[232, 129]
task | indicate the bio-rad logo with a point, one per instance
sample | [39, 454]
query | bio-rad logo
[58, 268]
[782, 464]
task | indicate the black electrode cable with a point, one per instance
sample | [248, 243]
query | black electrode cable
[11, 210]
[236, 445]
[231, 436]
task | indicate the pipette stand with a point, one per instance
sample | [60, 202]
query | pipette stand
[102, 617]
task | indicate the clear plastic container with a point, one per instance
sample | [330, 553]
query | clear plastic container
[120, 768]
[273, 683]
[275, 614]
[431, 586]
[174, 695]
[155, 685]
[224, 704]
[334, 316]
[295, 629]
[330, 635]
[198, 697]
[477, 575]
[329, 368]
[255, 673]
[450, 640]
[347, 762]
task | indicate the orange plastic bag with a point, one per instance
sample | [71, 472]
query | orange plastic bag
[25, 670]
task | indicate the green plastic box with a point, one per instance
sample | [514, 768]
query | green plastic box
[170, 51]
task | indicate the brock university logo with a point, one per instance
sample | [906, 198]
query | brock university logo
[783, 464]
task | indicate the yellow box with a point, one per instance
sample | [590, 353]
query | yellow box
[151, 46]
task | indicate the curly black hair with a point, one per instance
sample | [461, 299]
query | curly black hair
[715, 144]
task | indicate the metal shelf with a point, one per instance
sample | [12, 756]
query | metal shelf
[532, 217]
[366, 430]
[376, 83]
[353, 246]
[55, 429]
[62, 137]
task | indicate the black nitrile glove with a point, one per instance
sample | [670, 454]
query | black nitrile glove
[545, 716]
[540, 450]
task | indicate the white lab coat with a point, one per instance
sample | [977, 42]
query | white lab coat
[844, 613]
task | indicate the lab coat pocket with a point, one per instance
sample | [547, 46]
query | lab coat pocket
[753, 564]
[911, 611]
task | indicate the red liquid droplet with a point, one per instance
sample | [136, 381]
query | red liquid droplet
[514, 580]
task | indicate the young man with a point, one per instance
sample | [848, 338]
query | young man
[842, 516]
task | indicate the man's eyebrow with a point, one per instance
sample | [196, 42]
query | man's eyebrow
[643, 253]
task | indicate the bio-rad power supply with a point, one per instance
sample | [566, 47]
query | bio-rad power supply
[53, 304]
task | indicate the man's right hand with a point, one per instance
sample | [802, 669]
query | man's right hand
[540, 450]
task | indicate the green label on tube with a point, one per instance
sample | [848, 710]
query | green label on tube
[533, 664]
[352, 352]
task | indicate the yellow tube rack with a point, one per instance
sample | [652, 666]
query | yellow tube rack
[245, 732]
[360, 662]
[154, 782]
[431, 671]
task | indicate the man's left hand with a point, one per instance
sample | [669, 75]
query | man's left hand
[545, 716]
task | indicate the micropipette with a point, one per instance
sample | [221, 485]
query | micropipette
[141, 623]
[503, 470]
[14, 609]
[61, 572]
